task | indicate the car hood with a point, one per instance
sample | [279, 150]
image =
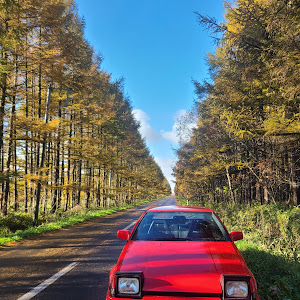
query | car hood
[182, 266]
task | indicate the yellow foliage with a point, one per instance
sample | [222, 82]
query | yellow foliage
[234, 27]
[263, 3]
[278, 123]
[54, 123]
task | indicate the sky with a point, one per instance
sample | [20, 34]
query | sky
[158, 47]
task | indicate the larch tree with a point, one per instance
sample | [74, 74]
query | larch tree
[248, 117]
[68, 138]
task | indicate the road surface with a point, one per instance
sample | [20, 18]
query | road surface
[71, 263]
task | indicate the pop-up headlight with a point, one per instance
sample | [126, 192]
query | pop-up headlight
[129, 285]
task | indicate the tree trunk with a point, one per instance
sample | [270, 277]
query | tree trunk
[39, 185]
[26, 134]
[88, 176]
[229, 184]
[2, 114]
[266, 195]
[10, 143]
[16, 206]
[54, 205]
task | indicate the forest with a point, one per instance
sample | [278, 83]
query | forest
[68, 138]
[246, 148]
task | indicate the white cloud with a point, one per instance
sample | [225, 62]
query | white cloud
[146, 130]
[166, 165]
[180, 113]
[171, 135]
[185, 123]
[179, 132]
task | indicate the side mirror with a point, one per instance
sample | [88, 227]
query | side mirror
[123, 234]
[236, 236]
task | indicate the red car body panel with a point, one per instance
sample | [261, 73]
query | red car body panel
[181, 266]
[193, 267]
[108, 297]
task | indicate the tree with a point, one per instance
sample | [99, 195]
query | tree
[251, 110]
[89, 150]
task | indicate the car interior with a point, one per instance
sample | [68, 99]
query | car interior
[178, 227]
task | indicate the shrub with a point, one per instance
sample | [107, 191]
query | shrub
[14, 222]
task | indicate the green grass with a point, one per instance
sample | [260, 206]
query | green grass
[270, 246]
[16, 227]
[277, 277]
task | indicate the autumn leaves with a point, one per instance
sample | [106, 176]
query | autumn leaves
[246, 145]
[92, 152]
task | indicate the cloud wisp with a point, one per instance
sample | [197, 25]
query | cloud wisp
[146, 130]
[159, 139]
[166, 165]
[152, 136]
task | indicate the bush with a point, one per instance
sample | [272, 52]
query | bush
[14, 222]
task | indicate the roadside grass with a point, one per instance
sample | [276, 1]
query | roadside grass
[270, 246]
[277, 277]
[16, 227]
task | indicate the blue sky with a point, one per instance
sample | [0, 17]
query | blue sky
[158, 47]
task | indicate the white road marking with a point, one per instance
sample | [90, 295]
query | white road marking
[129, 225]
[48, 282]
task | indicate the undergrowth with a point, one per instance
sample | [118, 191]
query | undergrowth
[15, 227]
[270, 246]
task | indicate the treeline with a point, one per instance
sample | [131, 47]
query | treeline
[246, 145]
[67, 134]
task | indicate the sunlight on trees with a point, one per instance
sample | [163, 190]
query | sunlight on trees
[55, 157]
[246, 146]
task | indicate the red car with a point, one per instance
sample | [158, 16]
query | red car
[180, 253]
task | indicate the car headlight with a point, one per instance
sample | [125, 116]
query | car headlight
[129, 285]
[236, 287]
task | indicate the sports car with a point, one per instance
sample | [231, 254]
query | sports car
[180, 253]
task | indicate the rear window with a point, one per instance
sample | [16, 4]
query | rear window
[176, 226]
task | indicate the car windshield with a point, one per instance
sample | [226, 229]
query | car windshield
[180, 226]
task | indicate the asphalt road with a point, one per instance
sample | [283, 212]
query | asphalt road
[71, 263]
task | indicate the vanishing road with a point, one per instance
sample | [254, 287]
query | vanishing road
[71, 263]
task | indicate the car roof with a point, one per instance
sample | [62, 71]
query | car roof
[180, 208]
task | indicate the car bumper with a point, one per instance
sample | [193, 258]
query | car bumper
[166, 298]
[109, 297]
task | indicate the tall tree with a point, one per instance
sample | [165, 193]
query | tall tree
[251, 110]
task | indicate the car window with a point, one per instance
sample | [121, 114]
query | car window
[185, 226]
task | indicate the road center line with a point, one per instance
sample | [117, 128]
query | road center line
[129, 225]
[48, 282]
